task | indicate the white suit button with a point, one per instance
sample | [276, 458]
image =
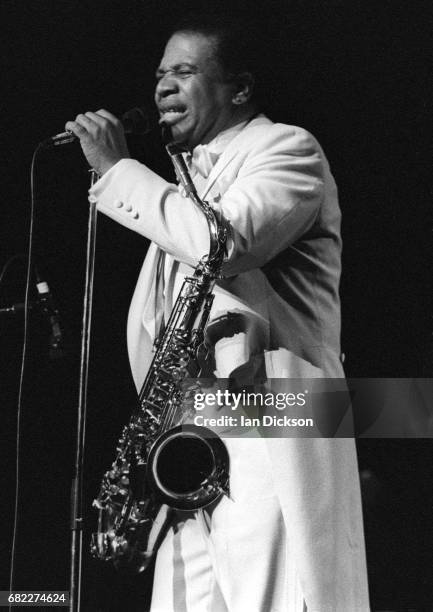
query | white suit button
[128, 208]
[92, 198]
[135, 215]
[118, 204]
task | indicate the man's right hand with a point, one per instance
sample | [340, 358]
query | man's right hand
[102, 139]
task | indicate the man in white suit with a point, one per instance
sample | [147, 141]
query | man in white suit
[290, 536]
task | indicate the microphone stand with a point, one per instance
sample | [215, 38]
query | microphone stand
[77, 482]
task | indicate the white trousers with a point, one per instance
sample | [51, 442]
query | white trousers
[234, 556]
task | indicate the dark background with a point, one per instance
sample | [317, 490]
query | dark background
[356, 74]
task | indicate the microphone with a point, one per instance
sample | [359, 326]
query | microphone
[48, 308]
[46, 305]
[135, 121]
[16, 308]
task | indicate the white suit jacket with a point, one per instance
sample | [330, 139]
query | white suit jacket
[273, 186]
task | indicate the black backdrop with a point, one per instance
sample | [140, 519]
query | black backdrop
[355, 74]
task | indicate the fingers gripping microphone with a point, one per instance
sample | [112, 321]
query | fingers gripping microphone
[134, 121]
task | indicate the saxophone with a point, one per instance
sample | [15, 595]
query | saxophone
[162, 463]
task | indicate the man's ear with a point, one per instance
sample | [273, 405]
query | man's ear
[244, 85]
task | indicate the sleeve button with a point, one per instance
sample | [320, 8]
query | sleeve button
[135, 215]
[128, 208]
[118, 204]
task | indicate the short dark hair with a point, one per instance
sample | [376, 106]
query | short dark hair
[238, 39]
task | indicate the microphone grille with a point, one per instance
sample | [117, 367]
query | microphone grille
[136, 121]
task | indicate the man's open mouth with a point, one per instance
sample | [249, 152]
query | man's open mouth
[171, 114]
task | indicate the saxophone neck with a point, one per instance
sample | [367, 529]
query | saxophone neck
[217, 230]
[179, 163]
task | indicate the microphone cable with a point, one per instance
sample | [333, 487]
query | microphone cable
[23, 362]
[8, 264]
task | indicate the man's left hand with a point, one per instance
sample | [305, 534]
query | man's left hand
[102, 139]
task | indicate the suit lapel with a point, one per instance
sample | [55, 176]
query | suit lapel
[229, 154]
[217, 170]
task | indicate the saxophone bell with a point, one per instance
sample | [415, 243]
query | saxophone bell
[188, 467]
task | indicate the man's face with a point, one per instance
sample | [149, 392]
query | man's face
[191, 94]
